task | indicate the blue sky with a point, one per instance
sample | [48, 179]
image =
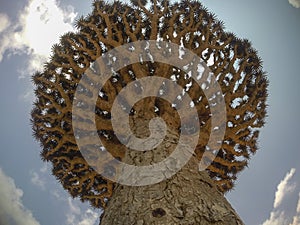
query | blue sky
[266, 193]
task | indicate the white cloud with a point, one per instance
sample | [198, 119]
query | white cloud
[43, 23]
[39, 26]
[12, 210]
[4, 22]
[276, 218]
[298, 205]
[284, 187]
[279, 217]
[295, 3]
[296, 218]
[76, 216]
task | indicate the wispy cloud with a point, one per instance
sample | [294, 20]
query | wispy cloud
[296, 218]
[39, 178]
[56, 194]
[77, 213]
[284, 188]
[295, 3]
[298, 205]
[36, 180]
[278, 216]
[12, 210]
[77, 216]
[39, 26]
[4, 22]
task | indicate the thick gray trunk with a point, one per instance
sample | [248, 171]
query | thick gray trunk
[187, 198]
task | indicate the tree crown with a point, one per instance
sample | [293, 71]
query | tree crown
[233, 61]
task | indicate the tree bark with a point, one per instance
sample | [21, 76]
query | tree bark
[189, 197]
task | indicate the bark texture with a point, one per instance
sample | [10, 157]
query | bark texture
[189, 197]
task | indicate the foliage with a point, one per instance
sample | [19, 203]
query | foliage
[233, 61]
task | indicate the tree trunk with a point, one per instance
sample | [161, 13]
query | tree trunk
[189, 197]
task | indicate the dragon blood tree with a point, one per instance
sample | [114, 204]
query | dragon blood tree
[91, 171]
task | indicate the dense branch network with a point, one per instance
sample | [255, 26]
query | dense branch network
[235, 64]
